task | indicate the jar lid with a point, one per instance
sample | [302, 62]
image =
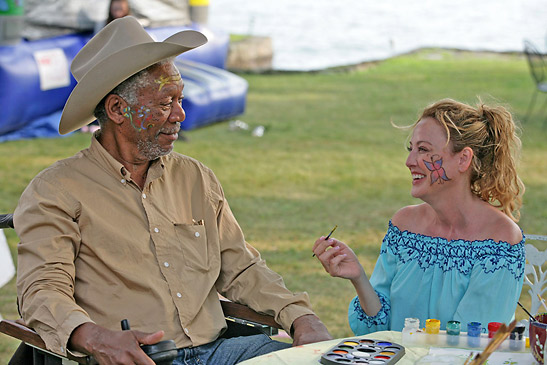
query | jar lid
[432, 323]
[494, 326]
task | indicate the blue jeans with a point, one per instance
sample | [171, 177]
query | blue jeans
[228, 351]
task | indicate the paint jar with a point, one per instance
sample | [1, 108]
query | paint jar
[412, 324]
[453, 329]
[493, 327]
[516, 342]
[432, 327]
[411, 327]
[474, 334]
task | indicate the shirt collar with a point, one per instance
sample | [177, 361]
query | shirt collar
[108, 162]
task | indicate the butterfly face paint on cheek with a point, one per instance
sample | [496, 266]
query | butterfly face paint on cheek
[437, 170]
[143, 113]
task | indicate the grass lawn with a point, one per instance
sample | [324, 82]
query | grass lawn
[329, 156]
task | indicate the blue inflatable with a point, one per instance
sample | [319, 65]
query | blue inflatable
[22, 99]
[31, 102]
[213, 53]
[211, 94]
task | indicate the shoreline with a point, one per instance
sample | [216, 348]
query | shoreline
[430, 52]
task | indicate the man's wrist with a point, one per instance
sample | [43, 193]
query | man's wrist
[79, 338]
[300, 318]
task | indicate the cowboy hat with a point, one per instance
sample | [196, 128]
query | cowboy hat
[118, 51]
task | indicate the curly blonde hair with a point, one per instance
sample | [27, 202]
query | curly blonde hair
[492, 135]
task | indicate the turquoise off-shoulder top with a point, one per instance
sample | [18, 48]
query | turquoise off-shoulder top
[431, 277]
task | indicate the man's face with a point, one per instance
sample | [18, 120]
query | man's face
[155, 119]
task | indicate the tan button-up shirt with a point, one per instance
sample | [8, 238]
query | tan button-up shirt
[95, 247]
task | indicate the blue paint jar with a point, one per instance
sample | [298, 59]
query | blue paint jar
[474, 334]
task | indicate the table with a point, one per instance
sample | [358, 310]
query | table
[311, 353]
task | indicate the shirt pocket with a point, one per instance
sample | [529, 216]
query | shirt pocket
[193, 243]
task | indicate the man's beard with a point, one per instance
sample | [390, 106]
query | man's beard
[151, 149]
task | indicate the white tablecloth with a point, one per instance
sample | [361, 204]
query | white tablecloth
[424, 355]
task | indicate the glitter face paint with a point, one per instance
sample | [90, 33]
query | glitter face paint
[164, 80]
[143, 114]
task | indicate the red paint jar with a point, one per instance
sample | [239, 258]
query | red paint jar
[493, 327]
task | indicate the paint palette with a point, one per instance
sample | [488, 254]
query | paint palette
[363, 351]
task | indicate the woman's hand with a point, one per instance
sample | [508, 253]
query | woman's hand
[340, 261]
[337, 258]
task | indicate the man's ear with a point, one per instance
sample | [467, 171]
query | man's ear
[116, 108]
[465, 159]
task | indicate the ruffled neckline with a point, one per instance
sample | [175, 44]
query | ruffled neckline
[424, 237]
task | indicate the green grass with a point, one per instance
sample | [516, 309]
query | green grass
[329, 156]
[238, 37]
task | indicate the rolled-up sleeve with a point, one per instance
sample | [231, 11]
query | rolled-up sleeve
[45, 222]
[246, 279]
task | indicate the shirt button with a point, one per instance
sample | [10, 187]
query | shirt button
[186, 330]
[156, 230]
[122, 181]
[196, 234]
[143, 195]
[166, 264]
[179, 295]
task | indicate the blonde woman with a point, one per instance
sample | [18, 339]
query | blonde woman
[459, 255]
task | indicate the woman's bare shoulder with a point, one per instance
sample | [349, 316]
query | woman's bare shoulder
[410, 217]
[504, 229]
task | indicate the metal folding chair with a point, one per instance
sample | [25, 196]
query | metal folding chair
[538, 71]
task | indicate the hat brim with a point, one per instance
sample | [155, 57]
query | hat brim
[111, 71]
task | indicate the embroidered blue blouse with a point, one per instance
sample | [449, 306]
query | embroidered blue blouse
[430, 277]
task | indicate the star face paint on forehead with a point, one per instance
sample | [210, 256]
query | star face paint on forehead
[437, 169]
[165, 80]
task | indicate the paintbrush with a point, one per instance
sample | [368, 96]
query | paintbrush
[542, 301]
[496, 341]
[529, 315]
[469, 359]
[326, 238]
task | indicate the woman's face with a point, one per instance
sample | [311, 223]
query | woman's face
[430, 159]
[119, 9]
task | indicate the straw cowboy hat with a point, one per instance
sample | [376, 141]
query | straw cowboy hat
[118, 51]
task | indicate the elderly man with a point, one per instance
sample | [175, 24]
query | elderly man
[129, 229]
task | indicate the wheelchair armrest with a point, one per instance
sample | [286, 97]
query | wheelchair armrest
[241, 311]
[28, 336]
[21, 332]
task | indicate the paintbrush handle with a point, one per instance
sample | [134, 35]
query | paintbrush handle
[326, 238]
[526, 310]
[542, 301]
[499, 337]
[331, 232]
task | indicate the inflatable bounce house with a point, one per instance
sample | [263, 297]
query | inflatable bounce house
[38, 42]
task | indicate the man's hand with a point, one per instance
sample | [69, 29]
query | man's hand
[309, 329]
[113, 347]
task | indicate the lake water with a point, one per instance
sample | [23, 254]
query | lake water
[316, 34]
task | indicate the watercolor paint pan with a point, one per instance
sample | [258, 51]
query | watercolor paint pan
[363, 351]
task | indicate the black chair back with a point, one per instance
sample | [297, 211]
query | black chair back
[6, 221]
